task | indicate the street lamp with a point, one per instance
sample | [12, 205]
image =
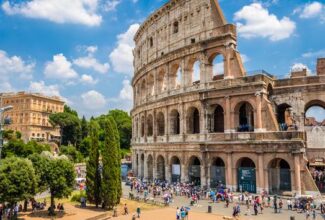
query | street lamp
[2, 110]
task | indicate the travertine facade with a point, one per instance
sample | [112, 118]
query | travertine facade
[246, 132]
[30, 115]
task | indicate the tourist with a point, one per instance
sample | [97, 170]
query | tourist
[61, 208]
[314, 214]
[16, 210]
[280, 205]
[133, 217]
[289, 204]
[183, 214]
[126, 211]
[262, 207]
[307, 215]
[255, 208]
[1, 211]
[178, 214]
[275, 205]
[138, 211]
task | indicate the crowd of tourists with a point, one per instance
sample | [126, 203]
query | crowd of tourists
[10, 212]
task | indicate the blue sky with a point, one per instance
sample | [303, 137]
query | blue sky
[81, 50]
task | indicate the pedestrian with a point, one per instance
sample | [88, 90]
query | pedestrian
[16, 210]
[289, 204]
[138, 211]
[255, 208]
[314, 214]
[178, 214]
[133, 217]
[307, 215]
[280, 205]
[262, 207]
[183, 214]
[126, 210]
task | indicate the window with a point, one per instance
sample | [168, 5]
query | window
[175, 27]
[151, 42]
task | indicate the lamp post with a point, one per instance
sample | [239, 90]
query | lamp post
[2, 110]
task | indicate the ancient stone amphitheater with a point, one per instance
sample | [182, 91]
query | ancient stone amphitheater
[199, 117]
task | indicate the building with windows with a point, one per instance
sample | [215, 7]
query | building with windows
[30, 115]
[199, 117]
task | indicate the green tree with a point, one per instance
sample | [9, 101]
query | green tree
[85, 146]
[17, 147]
[124, 126]
[84, 127]
[41, 165]
[60, 179]
[93, 177]
[111, 179]
[17, 180]
[72, 153]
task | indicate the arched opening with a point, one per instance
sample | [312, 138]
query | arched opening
[142, 126]
[160, 124]
[315, 113]
[218, 67]
[279, 176]
[284, 116]
[161, 81]
[218, 119]
[194, 171]
[193, 121]
[149, 125]
[142, 166]
[151, 84]
[160, 168]
[245, 117]
[143, 89]
[176, 169]
[196, 72]
[151, 42]
[175, 27]
[175, 76]
[246, 177]
[137, 164]
[150, 168]
[136, 134]
[174, 122]
[269, 92]
[217, 173]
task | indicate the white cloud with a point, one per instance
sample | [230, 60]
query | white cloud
[312, 10]
[88, 79]
[126, 92]
[92, 49]
[59, 11]
[110, 5]
[319, 53]
[6, 87]
[260, 23]
[15, 65]
[122, 56]
[89, 62]
[41, 87]
[297, 67]
[93, 100]
[60, 68]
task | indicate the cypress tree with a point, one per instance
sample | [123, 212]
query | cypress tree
[93, 178]
[111, 169]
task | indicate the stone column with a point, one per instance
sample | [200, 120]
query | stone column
[145, 127]
[167, 169]
[227, 71]
[203, 176]
[260, 186]
[154, 126]
[155, 83]
[229, 179]
[154, 166]
[227, 118]
[258, 121]
[297, 174]
[145, 175]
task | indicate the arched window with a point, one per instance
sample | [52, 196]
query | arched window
[284, 116]
[175, 77]
[151, 42]
[161, 124]
[196, 72]
[193, 121]
[175, 27]
[245, 117]
[175, 122]
[142, 126]
[162, 86]
[218, 119]
[149, 125]
[218, 67]
[151, 84]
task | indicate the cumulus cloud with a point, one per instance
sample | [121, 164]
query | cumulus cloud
[313, 54]
[297, 67]
[110, 5]
[258, 22]
[126, 92]
[122, 57]
[311, 10]
[93, 100]
[60, 68]
[59, 11]
[88, 79]
[6, 87]
[41, 87]
[15, 65]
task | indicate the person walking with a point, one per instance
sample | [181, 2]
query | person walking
[255, 208]
[178, 214]
[126, 211]
[138, 211]
[280, 205]
[314, 214]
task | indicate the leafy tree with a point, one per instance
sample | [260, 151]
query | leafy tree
[60, 179]
[84, 147]
[124, 126]
[17, 147]
[69, 110]
[41, 166]
[84, 128]
[11, 134]
[72, 153]
[93, 178]
[111, 178]
[17, 180]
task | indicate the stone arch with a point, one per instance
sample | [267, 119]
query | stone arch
[284, 116]
[218, 119]
[149, 125]
[217, 173]
[142, 165]
[279, 176]
[246, 175]
[160, 124]
[194, 170]
[161, 81]
[175, 76]
[175, 168]
[193, 120]
[244, 116]
[218, 66]
[143, 89]
[314, 113]
[151, 84]
[136, 124]
[161, 168]
[175, 27]
[269, 92]
[150, 167]
[142, 126]
[175, 122]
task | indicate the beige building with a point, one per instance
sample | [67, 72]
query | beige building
[193, 122]
[30, 114]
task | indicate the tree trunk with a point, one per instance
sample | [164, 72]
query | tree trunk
[25, 205]
[52, 206]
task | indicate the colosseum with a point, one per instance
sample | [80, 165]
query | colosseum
[210, 123]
